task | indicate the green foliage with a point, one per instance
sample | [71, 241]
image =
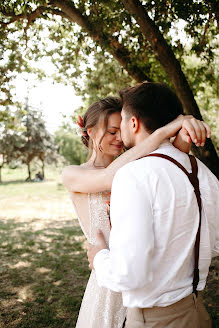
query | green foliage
[7, 149]
[206, 89]
[10, 128]
[70, 146]
[76, 53]
[10, 119]
[36, 141]
[105, 78]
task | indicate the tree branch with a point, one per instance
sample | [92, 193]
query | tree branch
[31, 16]
[66, 9]
[110, 43]
[14, 18]
[165, 56]
[204, 34]
[58, 13]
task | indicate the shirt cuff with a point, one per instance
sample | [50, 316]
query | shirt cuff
[99, 258]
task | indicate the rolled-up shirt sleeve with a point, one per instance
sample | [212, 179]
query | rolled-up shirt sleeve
[128, 262]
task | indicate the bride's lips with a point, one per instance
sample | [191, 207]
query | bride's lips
[117, 146]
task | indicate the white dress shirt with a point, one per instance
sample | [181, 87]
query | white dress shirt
[154, 216]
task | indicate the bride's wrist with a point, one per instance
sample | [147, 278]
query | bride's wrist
[161, 133]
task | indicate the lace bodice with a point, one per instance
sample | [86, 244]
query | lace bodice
[99, 215]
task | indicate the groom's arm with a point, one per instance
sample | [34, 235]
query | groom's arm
[128, 263]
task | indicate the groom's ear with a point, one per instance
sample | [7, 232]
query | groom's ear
[134, 124]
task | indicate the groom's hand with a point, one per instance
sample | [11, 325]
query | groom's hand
[93, 250]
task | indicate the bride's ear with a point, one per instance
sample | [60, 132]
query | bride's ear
[89, 132]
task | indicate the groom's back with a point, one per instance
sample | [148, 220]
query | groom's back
[175, 222]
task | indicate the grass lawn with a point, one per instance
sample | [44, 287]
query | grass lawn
[43, 272]
[34, 199]
[43, 264]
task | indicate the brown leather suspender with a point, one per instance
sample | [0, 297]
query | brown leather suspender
[193, 178]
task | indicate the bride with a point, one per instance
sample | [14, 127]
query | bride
[89, 185]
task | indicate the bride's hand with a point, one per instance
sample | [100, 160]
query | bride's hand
[192, 129]
[195, 131]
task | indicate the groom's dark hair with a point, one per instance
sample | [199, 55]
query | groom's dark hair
[154, 104]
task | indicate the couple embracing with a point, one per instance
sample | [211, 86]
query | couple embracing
[150, 255]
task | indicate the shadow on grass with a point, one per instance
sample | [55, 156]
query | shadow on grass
[20, 181]
[43, 273]
[5, 183]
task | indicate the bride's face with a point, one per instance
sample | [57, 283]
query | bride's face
[111, 143]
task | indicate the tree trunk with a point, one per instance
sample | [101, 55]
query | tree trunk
[29, 171]
[43, 169]
[173, 69]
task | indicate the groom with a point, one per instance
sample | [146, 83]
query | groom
[155, 218]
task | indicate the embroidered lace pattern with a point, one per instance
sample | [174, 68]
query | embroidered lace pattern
[101, 307]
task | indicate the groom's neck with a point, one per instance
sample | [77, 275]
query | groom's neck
[141, 135]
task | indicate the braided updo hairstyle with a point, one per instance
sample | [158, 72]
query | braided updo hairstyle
[99, 112]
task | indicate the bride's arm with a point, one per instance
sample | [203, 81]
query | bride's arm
[84, 180]
[79, 179]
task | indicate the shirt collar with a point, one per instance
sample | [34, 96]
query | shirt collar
[165, 143]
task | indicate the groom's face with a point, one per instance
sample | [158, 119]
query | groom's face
[126, 131]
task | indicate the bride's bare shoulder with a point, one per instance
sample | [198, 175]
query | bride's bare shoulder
[76, 168]
[73, 173]
[87, 165]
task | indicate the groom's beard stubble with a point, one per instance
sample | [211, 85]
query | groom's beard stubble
[127, 140]
[128, 146]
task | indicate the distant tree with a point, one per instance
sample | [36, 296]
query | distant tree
[7, 142]
[10, 136]
[70, 146]
[35, 141]
[10, 117]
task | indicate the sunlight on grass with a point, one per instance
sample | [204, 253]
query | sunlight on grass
[20, 264]
[46, 286]
[43, 263]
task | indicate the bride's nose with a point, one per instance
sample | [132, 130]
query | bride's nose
[118, 136]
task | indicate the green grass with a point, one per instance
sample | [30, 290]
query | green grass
[34, 199]
[43, 273]
[20, 173]
[43, 263]
[13, 183]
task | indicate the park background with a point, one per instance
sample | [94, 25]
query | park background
[56, 58]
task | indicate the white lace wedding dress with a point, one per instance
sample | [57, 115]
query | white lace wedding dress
[101, 307]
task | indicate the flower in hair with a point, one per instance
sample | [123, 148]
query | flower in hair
[80, 123]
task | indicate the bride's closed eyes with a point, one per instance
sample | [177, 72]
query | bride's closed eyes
[113, 130]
